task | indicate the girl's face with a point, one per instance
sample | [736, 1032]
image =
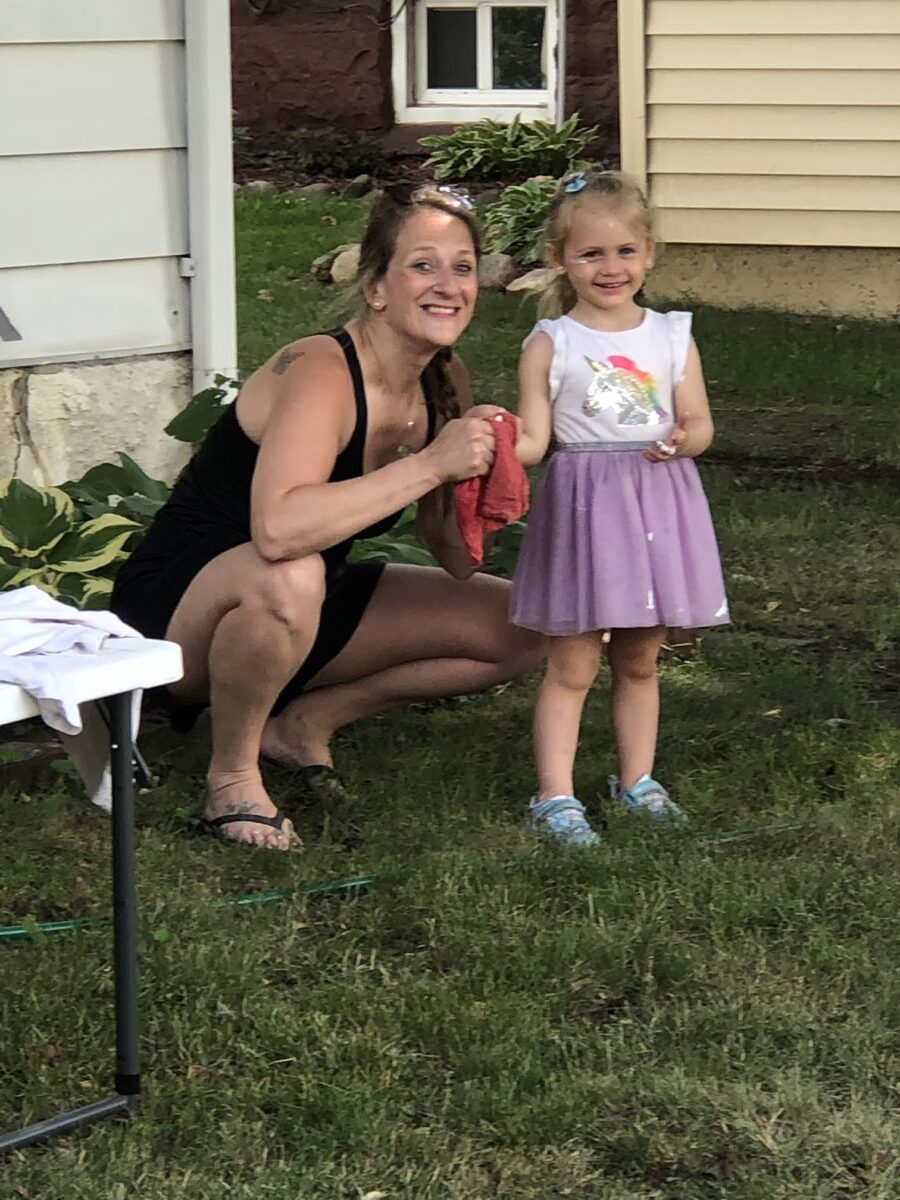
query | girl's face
[605, 259]
[429, 290]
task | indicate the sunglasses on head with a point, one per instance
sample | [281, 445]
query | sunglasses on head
[422, 193]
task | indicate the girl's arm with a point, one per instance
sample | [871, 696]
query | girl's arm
[295, 510]
[534, 402]
[694, 427]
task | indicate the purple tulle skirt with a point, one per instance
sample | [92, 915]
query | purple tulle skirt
[615, 541]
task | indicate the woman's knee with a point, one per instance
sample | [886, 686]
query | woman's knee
[289, 589]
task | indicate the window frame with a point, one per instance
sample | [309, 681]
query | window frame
[417, 104]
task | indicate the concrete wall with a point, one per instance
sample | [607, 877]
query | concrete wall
[825, 280]
[59, 419]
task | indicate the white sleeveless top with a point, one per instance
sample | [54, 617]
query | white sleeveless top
[616, 386]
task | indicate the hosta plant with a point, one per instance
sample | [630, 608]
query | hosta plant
[491, 150]
[514, 223]
[46, 541]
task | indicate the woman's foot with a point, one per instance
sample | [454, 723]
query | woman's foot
[235, 793]
[295, 739]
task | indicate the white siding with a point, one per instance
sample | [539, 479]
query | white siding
[766, 121]
[93, 187]
[65, 312]
[92, 96]
[91, 20]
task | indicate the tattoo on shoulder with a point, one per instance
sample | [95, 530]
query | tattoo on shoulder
[285, 358]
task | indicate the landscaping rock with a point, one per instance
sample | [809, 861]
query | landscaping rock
[358, 187]
[321, 267]
[314, 189]
[533, 282]
[495, 271]
[259, 187]
[345, 266]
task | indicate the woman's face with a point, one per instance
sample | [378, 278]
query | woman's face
[430, 287]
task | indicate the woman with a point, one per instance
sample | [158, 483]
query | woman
[246, 566]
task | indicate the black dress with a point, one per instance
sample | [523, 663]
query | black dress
[208, 513]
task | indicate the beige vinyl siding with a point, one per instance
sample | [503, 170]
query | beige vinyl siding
[765, 121]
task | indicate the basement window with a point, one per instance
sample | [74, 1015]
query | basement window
[462, 60]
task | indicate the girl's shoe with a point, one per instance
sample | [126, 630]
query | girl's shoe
[562, 817]
[648, 797]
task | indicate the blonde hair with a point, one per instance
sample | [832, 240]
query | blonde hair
[615, 191]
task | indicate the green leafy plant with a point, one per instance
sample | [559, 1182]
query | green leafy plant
[124, 488]
[490, 150]
[241, 143]
[46, 541]
[335, 152]
[514, 223]
[201, 413]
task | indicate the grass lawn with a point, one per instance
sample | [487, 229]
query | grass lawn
[713, 1012]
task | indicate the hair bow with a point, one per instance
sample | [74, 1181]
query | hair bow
[576, 182]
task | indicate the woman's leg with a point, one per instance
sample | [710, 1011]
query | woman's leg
[245, 625]
[572, 665]
[635, 699]
[423, 635]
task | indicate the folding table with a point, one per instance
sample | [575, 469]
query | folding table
[112, 674]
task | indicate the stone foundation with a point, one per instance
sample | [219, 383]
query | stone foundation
[57, 420]
[831, 281]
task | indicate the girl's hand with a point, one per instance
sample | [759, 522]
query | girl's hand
[463, 449]
[675, 447]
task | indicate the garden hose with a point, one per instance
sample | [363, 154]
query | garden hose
[355, 883]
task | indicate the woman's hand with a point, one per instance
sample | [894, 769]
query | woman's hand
[492, 412]
[464, 448]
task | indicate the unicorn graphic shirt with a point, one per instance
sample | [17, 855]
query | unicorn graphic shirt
[608, 387]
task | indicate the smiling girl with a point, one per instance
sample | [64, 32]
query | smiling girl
[620, 537]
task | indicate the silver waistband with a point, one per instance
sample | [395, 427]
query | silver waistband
[576, 447]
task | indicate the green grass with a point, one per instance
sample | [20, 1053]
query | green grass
[674, 1017]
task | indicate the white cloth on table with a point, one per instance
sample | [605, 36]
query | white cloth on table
[34, 628]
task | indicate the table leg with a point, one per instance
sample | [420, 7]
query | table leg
[125, 938]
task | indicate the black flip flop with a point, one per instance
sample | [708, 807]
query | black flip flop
[213, 826]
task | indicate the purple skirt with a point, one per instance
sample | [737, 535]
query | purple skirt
[615, 541]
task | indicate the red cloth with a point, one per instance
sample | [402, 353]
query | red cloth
[488, 502]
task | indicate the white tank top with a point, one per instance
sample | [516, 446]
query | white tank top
[616, 386]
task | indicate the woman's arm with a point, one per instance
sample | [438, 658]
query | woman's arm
[295, 511]
[534, 401]
[694, 427]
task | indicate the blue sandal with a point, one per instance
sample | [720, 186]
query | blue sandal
[647, 797]
[562, 817]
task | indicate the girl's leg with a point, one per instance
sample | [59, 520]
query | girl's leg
[572, 666]
[245, 625]
[423, 635]
[632, 657]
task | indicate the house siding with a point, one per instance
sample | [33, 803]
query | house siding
[766, 122]
[95, 333]
[93, 192]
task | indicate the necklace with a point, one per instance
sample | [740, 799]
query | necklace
[404, 449]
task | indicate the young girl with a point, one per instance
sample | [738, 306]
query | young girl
[620, 536]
